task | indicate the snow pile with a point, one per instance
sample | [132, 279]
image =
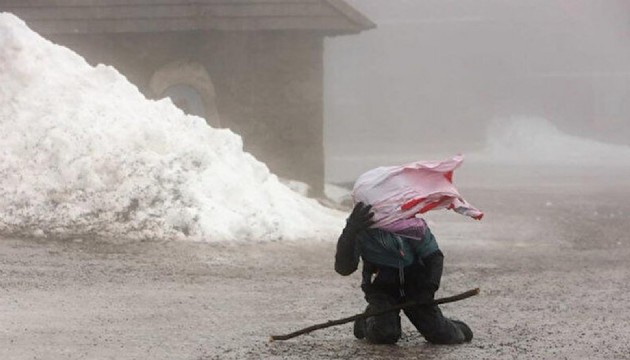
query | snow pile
[536, 141]
[83, 152]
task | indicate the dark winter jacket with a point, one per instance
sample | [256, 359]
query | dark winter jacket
[391, 262]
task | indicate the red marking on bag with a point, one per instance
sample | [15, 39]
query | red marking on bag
[411, 203]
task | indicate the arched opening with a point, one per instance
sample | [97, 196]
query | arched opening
[189, 86]
[186, 98]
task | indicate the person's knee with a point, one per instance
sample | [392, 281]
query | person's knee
[383, 329]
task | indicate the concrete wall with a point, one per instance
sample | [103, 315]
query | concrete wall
[268, 86]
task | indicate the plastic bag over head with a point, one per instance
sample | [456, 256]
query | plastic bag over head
[401, 192]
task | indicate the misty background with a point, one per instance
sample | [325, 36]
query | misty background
[434, 74]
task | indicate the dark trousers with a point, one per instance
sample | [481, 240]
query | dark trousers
[429, 320]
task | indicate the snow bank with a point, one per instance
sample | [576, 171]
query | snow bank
[536, 141]
[83, 152]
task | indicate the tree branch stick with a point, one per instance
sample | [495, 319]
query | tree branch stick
[398, 307]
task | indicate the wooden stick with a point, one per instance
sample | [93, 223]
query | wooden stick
[398, 307]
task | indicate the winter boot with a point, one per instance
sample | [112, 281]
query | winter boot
[468, 334]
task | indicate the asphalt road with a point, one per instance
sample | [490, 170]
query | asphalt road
[551, 258]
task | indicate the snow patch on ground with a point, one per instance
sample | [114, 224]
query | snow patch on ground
[83, 152]
[536, 141]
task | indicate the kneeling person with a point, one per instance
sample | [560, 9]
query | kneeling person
[397, 267]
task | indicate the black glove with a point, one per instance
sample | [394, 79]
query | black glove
[359, 220]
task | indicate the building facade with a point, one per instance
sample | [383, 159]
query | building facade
[253, 66]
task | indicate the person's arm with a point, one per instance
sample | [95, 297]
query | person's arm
[346, 258]
[347, 255]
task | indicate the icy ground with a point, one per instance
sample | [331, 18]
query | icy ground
[551, 257]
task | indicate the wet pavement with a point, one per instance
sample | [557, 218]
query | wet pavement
[551, 259]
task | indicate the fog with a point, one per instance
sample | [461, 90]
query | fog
[132, 230]
[434, 76]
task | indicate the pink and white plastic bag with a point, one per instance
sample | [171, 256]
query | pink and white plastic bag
[401, 192]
